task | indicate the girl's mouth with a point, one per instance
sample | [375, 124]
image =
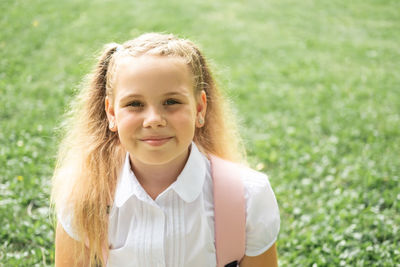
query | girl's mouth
[156, 140]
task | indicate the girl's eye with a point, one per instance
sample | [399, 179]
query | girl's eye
[171, 102]
[135, 104]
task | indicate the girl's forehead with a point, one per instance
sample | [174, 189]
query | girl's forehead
[149, 65]
[153, 73]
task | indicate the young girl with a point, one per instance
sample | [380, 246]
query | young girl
[132, 185]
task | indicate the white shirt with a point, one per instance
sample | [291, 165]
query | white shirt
[177, 228]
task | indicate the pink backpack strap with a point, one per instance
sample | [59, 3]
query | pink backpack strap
[229, 212]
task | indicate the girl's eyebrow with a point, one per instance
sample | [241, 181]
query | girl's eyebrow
[130, 96]
[176, 93]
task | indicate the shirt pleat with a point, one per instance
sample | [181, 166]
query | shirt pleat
[141, 240]
[170, 239]
[147, 240]
[170, 247]
[172, 204]
[181, 230]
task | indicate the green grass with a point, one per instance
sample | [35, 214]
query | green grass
[316, 85]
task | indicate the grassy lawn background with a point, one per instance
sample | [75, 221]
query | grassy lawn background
[316, 85]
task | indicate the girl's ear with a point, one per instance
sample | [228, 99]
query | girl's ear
[201, 109]
[110, 114]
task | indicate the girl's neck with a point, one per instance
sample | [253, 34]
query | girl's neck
[156, 178]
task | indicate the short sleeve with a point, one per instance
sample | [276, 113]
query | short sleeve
[65, 219]
[262, 213]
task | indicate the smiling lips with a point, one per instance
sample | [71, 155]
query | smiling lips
[156, 140]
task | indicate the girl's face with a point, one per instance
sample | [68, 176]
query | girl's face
[154, 108]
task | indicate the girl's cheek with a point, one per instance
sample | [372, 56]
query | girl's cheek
[186, 113]
[186, 117]
[128, 120]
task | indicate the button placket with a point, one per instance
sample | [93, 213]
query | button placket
[158, 236]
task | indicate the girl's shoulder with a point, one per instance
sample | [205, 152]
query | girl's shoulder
[258, 190]
[254, 182]
[253, 179]
[262, 212]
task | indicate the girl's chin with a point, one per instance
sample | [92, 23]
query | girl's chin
[159, 158]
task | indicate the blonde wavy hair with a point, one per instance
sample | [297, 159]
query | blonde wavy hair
[90, 156]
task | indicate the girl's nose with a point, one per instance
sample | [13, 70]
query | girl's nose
[154, 118]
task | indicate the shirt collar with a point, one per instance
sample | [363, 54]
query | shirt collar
[188, 185]
[127, 184]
